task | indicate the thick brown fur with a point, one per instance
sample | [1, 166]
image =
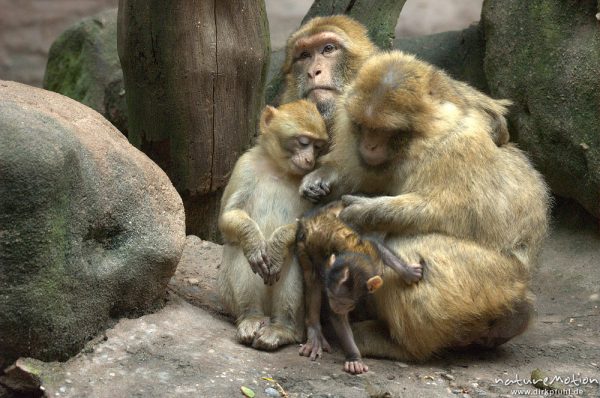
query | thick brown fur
[258, 212]
[474, 212]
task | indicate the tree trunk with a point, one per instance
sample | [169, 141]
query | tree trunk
[380, 17]
[194, 74]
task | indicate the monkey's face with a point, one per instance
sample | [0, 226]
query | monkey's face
[318, 62]
[303, 149]
[346, 282]
[388, 103]
[294, 135]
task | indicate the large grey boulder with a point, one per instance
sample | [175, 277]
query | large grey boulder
[90, 227]
[545, 56]
[83, 64]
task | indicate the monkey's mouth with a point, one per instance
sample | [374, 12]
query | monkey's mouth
[321, 88]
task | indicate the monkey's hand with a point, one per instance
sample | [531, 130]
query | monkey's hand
[412, 273]
[317, 185]
[355, 366]
[361, 212]
[315, 344]
[257, 257]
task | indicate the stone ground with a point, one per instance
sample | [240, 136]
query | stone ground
[188, 349]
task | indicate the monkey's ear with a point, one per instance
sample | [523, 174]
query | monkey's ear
[374, 283]
[345, 275]
[330, 262]
[267, 115]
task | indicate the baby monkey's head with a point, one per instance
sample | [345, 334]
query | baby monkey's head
[294, 135]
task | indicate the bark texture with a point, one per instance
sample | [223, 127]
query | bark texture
[194, 75]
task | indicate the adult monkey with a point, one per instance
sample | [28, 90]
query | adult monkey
[322, 57]
[406, 130]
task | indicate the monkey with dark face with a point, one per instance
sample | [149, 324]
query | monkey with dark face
[258, 212]
[405, 131]
[321, 235]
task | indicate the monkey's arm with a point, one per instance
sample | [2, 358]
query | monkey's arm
[408, 272]
[278, 247]
[353, 363]
[313, 287]
[237, 227]
[389, 213]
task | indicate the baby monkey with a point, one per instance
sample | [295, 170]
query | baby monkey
[336, 259]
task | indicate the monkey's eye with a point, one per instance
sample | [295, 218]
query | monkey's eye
[303, 140]
[304, 55]
[329, 48]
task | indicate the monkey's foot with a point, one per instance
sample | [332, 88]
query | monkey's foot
[272, 336]
[315, 344]
[355, 367]
[248, 327]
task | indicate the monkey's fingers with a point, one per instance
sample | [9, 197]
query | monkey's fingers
[314, 192]
[355, 367]
[325, 187]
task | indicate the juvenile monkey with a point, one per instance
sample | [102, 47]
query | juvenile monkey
[321, 234]
[449, 196]
[258, 211]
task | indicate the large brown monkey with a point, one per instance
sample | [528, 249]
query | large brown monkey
[322, 57]
[258, 211]
[407, 130]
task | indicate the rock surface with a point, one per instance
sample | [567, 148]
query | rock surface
[459, 53]
[545, 56]
[83, 64]
[186, 351]
[90, 228]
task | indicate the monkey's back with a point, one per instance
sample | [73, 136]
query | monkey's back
[487, 194]
[465, 287]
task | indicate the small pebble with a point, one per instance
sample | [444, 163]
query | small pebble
[447, 376]
[271, 392]
[595, 297]
[391, 377]
[402, 364]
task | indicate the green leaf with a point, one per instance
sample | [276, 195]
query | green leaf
[247, 392]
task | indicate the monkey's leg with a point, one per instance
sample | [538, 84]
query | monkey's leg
[243, 293]
[287, 311]
[315, 341]
[373, 340]
[353, 363]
